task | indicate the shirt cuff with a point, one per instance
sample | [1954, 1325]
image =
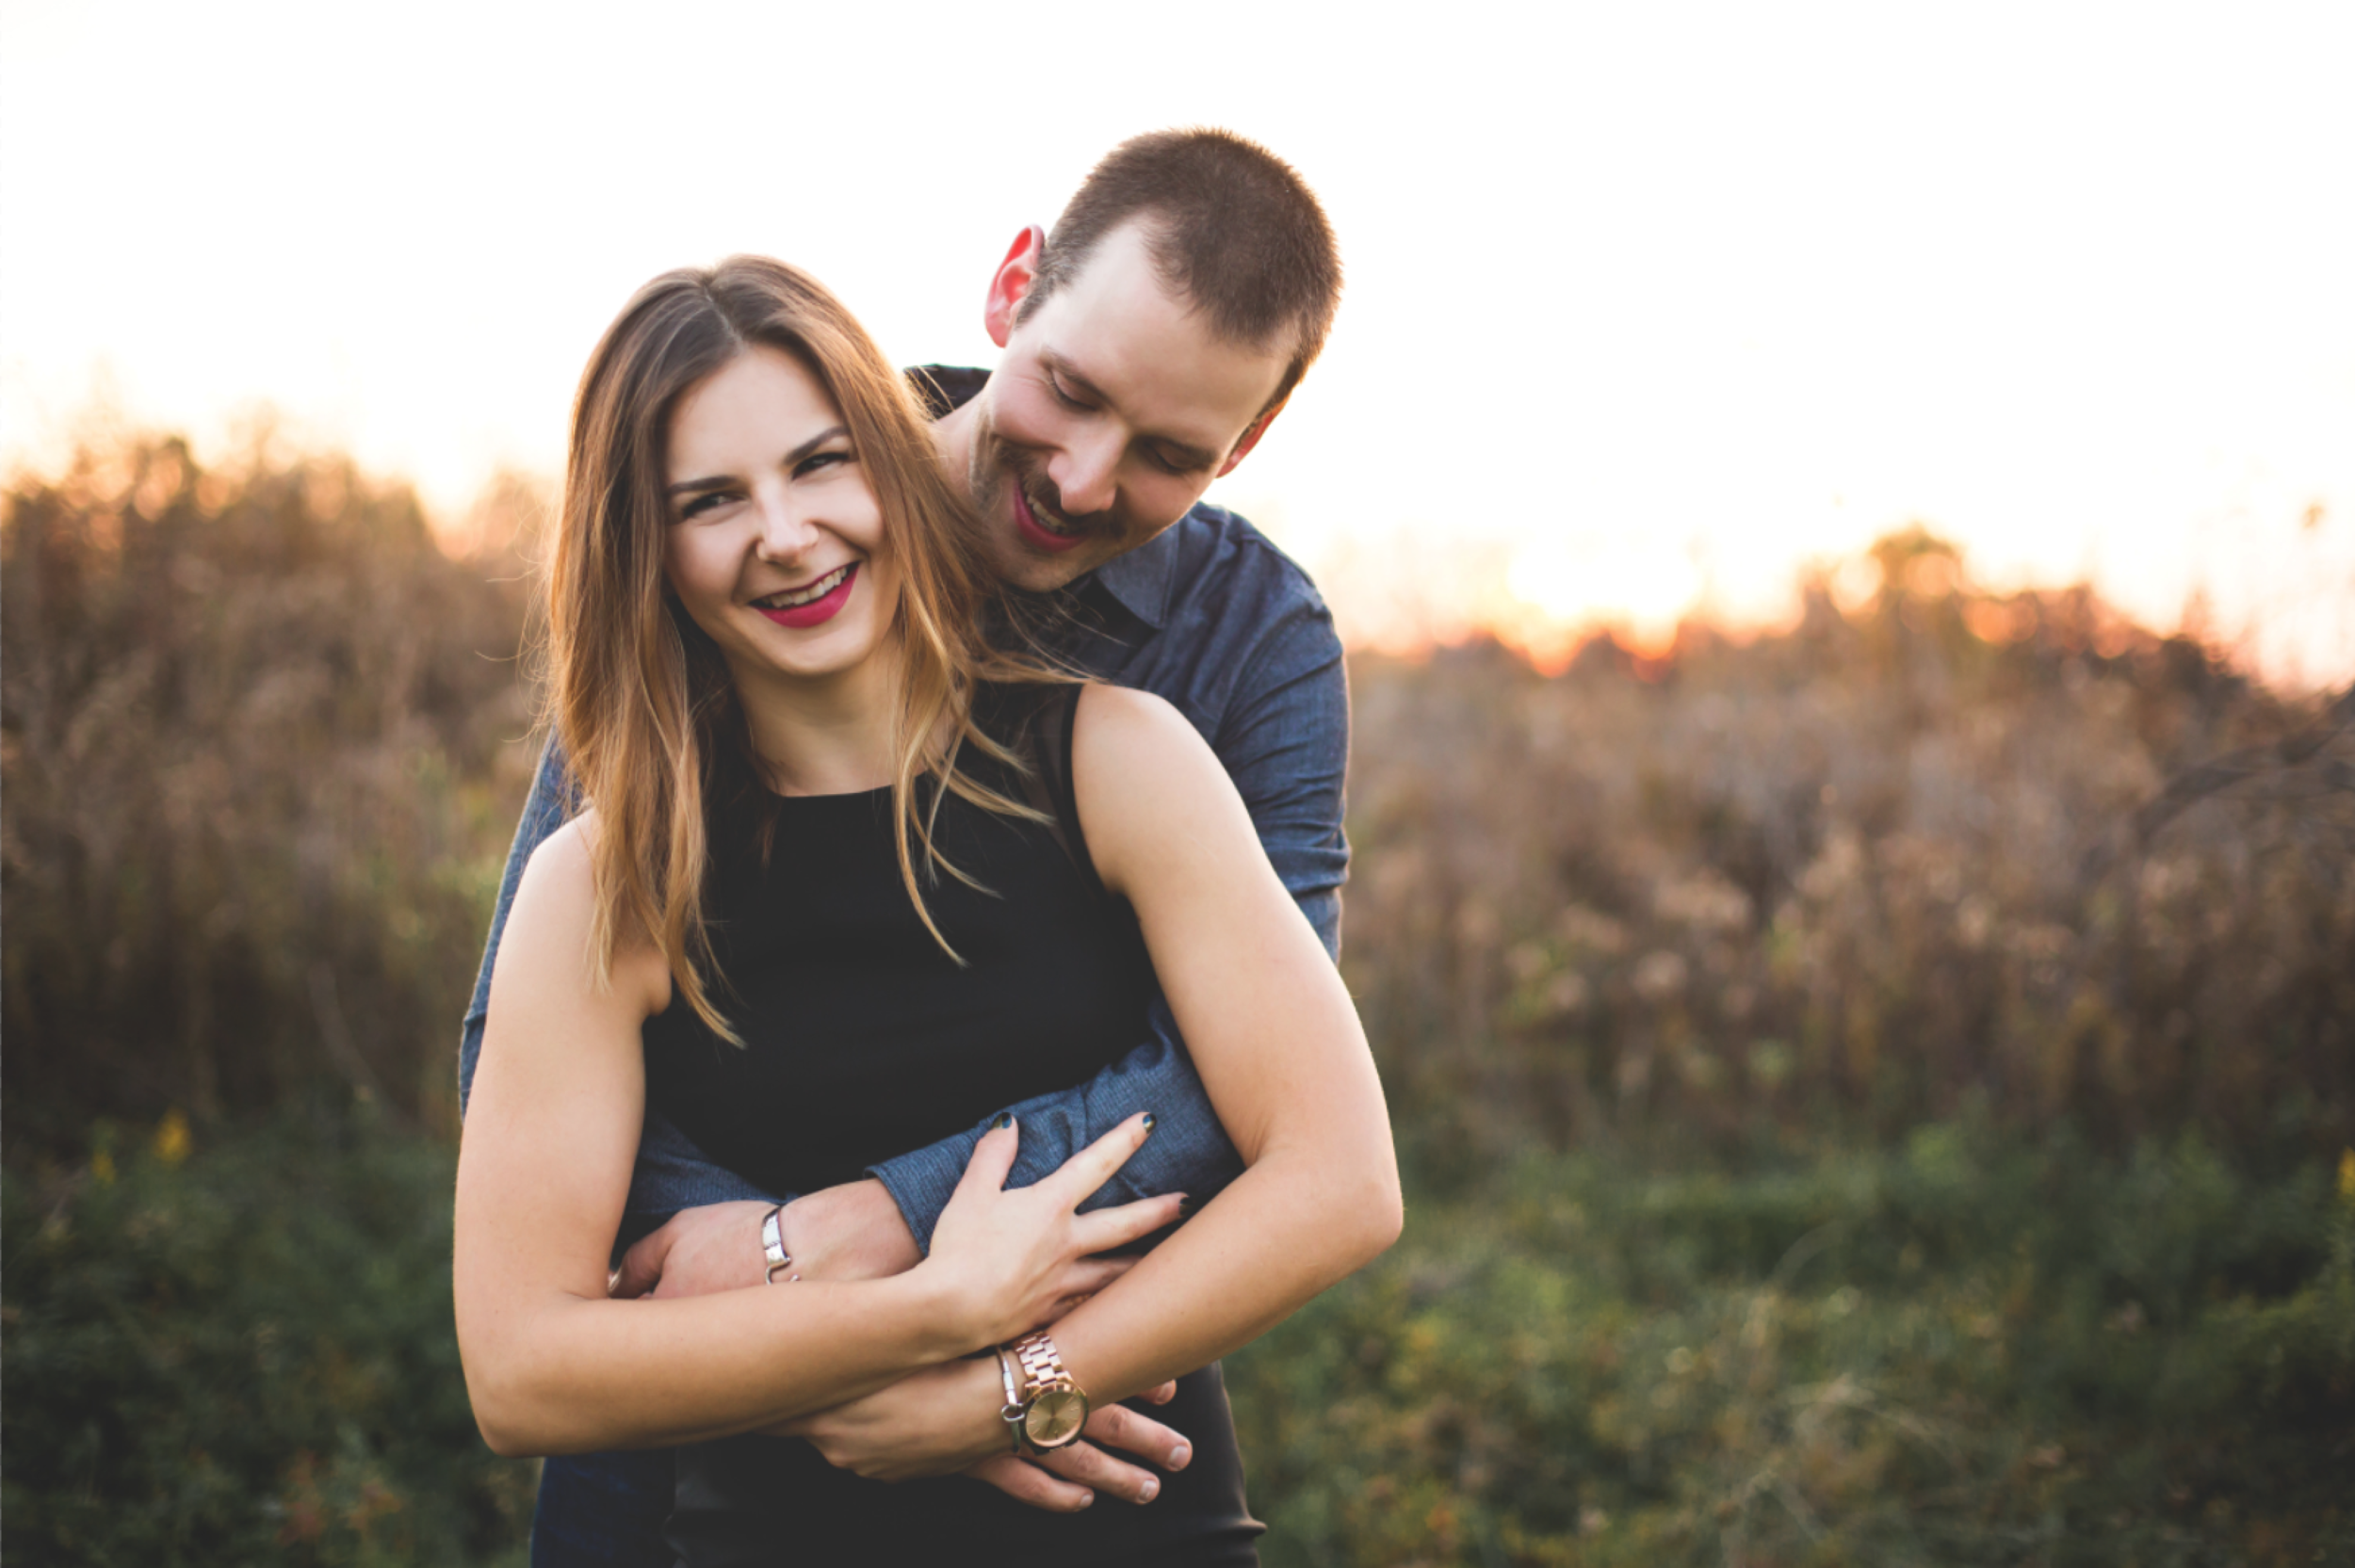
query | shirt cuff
[922, 1183]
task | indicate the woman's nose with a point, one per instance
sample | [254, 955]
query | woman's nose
[786, 529]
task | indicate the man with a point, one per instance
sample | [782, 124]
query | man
[1148, 345]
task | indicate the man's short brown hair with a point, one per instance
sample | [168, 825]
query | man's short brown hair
[1229, 225]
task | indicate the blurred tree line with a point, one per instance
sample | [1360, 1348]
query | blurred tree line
[263, 740]
[1949, 851]
[2007, 920]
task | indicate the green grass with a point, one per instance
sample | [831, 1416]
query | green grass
[242, 1355]
[1961, 1352]
[1970, 1350]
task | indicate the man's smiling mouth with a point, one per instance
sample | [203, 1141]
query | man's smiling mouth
[1042, 527]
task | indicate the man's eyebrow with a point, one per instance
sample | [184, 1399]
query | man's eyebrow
[721, 481]
[1182, 454]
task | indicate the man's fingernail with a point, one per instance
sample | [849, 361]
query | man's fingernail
[1150, 1490]
[1149, 1119]
[1005, 1119]
[1086, 1497]
[1178, 1456]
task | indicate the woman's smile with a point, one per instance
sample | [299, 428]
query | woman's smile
[813, 604]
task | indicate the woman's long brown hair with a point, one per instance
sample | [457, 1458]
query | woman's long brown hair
[639, 695]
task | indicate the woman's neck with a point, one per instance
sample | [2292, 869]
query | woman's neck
[828, 734]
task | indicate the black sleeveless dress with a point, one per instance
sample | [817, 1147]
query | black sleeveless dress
[863, 1039]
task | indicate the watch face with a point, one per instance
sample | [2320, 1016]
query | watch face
[1056, 1416]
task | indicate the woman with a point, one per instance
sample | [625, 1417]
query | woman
[847, 882]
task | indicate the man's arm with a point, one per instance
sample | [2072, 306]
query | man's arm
[1285, 741]
[671, 1172]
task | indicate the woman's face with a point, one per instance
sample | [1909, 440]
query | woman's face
[775, 544]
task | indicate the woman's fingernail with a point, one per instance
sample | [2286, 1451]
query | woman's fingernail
[1185, 1205]
[1086, 1497]
[1005, 1119]
[1178, 1456]
[1149, 1119]
[1150, 1490]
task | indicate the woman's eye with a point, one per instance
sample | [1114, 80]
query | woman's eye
[817, 460]
[696, 506]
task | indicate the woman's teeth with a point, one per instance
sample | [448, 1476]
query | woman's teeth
[810, 595]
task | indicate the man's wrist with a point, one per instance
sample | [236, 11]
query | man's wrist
[850, 1232]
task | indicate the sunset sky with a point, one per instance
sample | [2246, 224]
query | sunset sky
[1647, 306]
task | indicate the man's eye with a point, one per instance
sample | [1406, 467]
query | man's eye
[1172, 465]
[1064, 397]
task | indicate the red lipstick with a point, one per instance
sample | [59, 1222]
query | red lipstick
[819, 610]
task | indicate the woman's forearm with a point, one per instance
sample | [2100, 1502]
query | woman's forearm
[554, 1372]
[1294, 1225]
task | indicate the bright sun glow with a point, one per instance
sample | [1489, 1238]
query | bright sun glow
[1648, 307]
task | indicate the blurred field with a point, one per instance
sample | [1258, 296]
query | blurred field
[1878, 1093]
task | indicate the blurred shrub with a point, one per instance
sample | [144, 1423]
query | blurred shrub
[199, 1370]
[1967, 1351]
[1946, 849]
[261, 740]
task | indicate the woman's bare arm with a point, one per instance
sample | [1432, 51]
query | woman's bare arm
[1274, 1037]
[552, 1365]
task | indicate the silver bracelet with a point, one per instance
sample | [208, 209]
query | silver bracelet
[772, 1245]
[1015, 1410]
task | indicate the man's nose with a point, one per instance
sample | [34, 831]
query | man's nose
[1086, 475]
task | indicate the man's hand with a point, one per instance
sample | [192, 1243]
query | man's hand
[946, 1419]
[851, 1232]
[695, 1252]
[1067, 1479]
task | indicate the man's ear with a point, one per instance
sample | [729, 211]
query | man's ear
[1251, 435]
[1012, 281]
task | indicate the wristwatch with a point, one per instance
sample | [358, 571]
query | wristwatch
[1046, 1408]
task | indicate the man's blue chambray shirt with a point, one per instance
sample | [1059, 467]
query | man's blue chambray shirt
[1215, 620]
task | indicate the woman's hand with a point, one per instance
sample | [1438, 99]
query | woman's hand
[1013, 1260]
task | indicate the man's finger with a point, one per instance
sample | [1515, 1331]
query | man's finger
[641, 1266]
[1101, 1230]
[1093, 1166]
[1119, 1427]
[1027, 1483]
[1091, 1466]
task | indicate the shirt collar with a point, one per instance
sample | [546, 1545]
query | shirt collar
[1141, 578]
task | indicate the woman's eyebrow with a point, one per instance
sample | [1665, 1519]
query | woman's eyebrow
[688, 487]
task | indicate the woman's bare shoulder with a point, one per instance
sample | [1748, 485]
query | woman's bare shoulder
[562, 868]
[1144, 774]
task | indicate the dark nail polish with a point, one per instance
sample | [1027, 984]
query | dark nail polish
[1005, 1119]
[1186, 1206]
[1149, 1119]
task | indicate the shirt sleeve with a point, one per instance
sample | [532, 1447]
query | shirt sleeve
[1285, 741]
[545, 811]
